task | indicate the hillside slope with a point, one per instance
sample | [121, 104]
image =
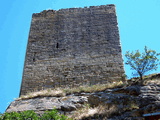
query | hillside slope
[115, 102]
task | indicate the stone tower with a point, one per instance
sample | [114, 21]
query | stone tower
[72, 47]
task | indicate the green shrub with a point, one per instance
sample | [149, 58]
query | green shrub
[53, 115]
[31, 115]
[11, 116]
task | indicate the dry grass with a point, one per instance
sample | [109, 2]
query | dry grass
[44, 93]
[152, 79]
[101, 111]
[60, 92]
[155, 81]
[93, 88]
[147, 79]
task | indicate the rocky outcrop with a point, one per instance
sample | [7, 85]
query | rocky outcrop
[65, 104]
[130, 102]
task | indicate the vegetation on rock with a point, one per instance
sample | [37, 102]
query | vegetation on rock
[60, 92]
[31, 115]
[116, 101]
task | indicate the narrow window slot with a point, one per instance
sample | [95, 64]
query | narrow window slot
[57, 45]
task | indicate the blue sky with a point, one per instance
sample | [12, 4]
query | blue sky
[138, 22]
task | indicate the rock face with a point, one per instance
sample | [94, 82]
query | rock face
[68, 103]
[72, 47]
[130, 102]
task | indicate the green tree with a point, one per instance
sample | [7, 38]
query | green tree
[142, 63]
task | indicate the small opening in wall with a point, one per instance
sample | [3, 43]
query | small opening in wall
[57, 45]
[33, 59]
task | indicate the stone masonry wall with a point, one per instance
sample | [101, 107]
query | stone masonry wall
[72, 47]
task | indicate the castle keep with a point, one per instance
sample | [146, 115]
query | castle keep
[72, 47]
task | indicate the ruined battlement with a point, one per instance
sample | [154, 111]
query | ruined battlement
[108, 8]
[72, 47]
